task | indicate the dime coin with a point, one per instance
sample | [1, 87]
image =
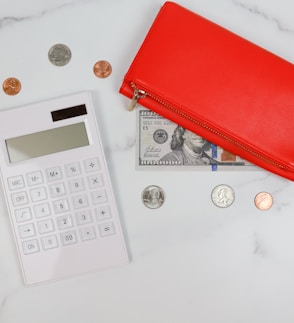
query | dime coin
[153, 196]
[11, 86]
[102, 69]
[263, 201]
[223, 196]
[59, 55]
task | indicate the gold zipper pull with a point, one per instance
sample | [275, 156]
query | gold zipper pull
[138, 94]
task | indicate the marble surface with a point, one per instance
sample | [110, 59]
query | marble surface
[190, 261]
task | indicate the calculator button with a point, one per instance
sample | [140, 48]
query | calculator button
[60, 206]
[38, 194]
[45, 226]
[19, 198]
[76, 185]
[49, 242]
[54, 173]
[83, 217]
[68, 238]
[87, 233]
[42, 210]
[103, 213]
[92, 165]
[72, 169]
[30, 246]
[106, 229]
[57, 190]
[99, 197]
[80, 201]
[95, 181]
[64, 221]
[35, 178]
[23, 214]
[15, 182]
[26, 230]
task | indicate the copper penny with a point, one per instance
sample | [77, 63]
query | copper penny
[11, 86]
[263, 201]
[102, 69]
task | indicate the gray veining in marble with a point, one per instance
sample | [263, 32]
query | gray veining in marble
[256, 10]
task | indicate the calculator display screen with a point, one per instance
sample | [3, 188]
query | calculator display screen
[47, 142]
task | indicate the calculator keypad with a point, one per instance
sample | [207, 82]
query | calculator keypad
[61, 206]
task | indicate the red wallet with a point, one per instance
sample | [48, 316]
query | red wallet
[218, 85]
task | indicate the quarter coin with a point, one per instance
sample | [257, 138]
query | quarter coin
[11, 86]
[263, 201]
[223, 196]
[59, 55]
[153, 196]
[102, 69]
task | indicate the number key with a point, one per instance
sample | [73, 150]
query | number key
[57, 190]
[64, 221]
[49, 242]
[83, 217]
[76, 185]
[68, 238]
[42, 210]
[80, 201]
[45, 226]
[38, 194]
[60, 206]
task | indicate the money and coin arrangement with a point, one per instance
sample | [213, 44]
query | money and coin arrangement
[162, 144]
[222, 196]
[58, 55]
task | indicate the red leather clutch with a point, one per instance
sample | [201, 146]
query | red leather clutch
[218, 85]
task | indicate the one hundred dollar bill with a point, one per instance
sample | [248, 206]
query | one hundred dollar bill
[162, 144]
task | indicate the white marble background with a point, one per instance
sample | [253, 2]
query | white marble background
[190, 261]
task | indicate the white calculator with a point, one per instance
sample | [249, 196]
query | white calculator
[58, 190]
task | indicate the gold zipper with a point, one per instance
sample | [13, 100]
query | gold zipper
[138, 94]
[142, 94]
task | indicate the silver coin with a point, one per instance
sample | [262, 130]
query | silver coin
[59, 55]
[223, 196]
[153, 196]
